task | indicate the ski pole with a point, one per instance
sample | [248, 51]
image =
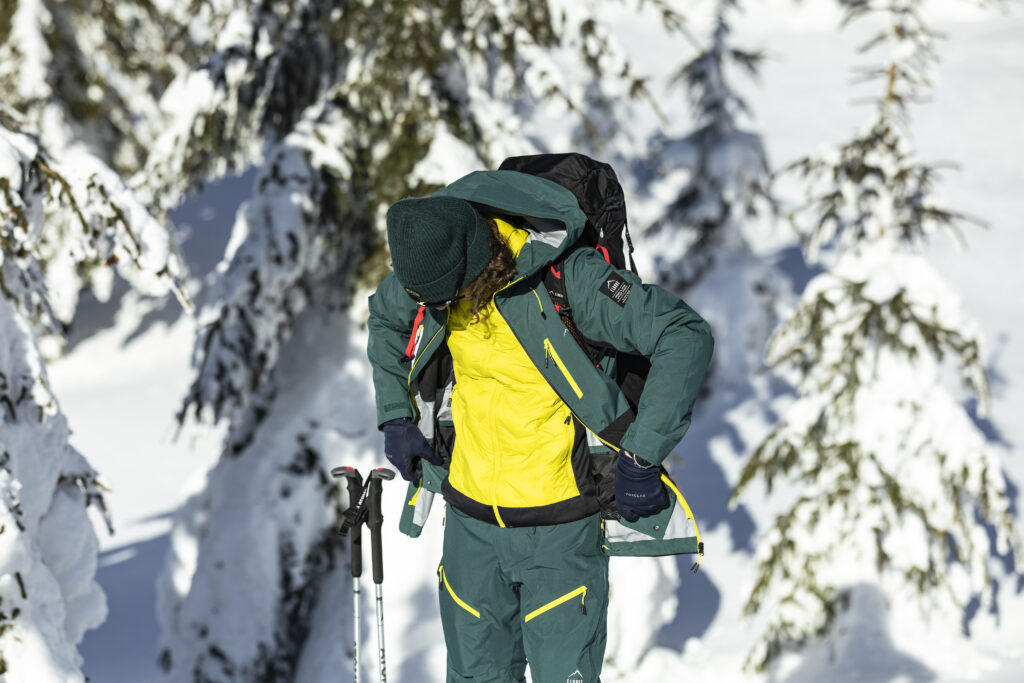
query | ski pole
[356, 496]
[375, 520]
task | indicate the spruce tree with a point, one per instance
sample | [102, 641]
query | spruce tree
[894, 482]
[718, 177]
[726, 168]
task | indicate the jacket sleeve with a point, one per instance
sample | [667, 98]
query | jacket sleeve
[614, 307]
[390, 324]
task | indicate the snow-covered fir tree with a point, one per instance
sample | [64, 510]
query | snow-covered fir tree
[343, 109]
[715, 182]
[48, 548]
[896, 484]
[722, 168]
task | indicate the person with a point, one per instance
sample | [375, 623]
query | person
[523, 578]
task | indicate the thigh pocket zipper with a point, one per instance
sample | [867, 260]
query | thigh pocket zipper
[442, 580]
[581, 591]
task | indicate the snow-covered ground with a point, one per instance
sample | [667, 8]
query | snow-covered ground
[122, 385]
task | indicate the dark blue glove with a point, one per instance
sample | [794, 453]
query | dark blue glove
[404, 445]
[638, 489]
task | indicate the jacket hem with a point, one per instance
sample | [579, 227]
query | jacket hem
[563, 511]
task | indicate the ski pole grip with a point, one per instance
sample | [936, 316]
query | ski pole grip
[354, 481]
[375, 520]
[356, 554]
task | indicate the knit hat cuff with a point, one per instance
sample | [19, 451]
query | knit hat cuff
[438, 245]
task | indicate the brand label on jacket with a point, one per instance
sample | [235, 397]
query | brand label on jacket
[616, 289]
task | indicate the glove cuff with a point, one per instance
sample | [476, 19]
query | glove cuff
[637, 462]
[395, 422]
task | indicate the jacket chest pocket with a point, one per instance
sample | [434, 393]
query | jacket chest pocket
[549, 355]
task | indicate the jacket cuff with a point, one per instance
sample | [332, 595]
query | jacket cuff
[392, 413]
[647, 444]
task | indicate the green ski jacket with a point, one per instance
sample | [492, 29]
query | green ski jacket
[412, 369]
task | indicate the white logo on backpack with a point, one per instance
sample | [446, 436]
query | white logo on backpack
[575, 677]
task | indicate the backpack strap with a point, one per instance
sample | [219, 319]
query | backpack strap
[414, 336]
[554, 282]
[556, 285]
[629, 252]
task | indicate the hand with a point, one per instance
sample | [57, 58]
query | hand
[638, 489]
[404, 445]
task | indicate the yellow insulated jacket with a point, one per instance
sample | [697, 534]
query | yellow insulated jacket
[516, 435]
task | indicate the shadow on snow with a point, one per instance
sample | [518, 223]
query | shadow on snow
[124, 648]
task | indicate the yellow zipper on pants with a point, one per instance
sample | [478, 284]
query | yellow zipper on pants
[458, 601]
[582, 590]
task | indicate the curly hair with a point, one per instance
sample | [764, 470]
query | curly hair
[496, 274]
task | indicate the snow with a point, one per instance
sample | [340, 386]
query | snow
[448, 157]
[26, 24]
[120, 393]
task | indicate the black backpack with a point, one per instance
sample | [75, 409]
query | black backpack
[598, 192]
[600, 195]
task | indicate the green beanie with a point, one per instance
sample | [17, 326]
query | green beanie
[438, 245]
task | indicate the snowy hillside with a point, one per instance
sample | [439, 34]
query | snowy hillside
[127, 370]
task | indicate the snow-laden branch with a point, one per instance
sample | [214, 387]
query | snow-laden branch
[61, 218]
[298, 232]
[869, 189]
[89, 73]
[265, 65]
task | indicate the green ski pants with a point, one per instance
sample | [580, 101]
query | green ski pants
[525, 594]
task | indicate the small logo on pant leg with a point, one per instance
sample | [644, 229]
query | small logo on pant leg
[575, 677]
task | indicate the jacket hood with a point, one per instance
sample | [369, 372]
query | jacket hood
[554, 218]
